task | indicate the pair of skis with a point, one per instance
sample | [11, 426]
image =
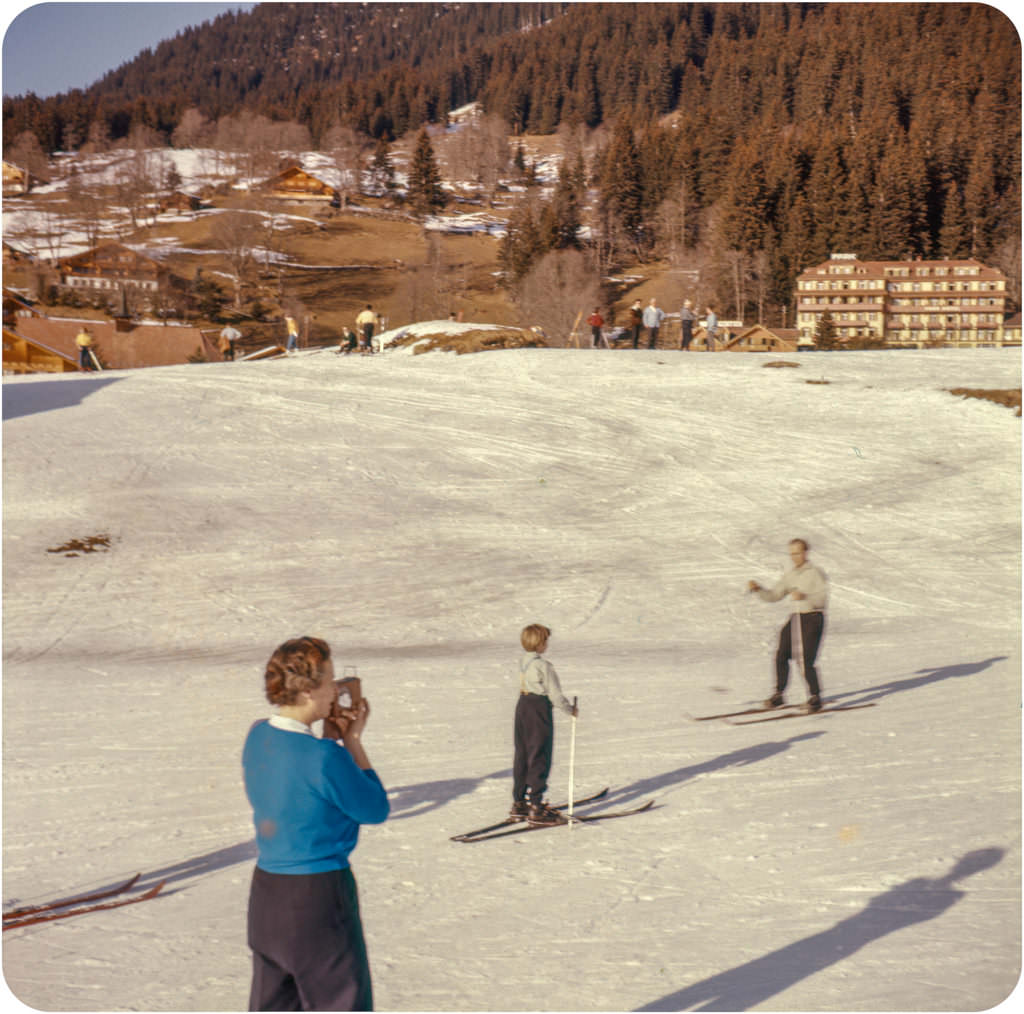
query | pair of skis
[768, 714]
[520, 825]
[79, 904]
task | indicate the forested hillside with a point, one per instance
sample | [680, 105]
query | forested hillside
[779, 132]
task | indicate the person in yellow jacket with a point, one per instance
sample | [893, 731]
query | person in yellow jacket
[364, 325]
[85, 354]
[293, 334]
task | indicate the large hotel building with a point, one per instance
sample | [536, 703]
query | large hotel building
[906, 303]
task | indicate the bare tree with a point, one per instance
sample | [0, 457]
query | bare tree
[561, 285]
[136, 185]
[193, 130]
[348, 151]
[739, 273]
[675, 224]
[238, 233]
[478, 152]
[761, 270]
[27, 153]
[40, 231]
[287, 136]
[98, 138]
[429, 290]
[87, 209]
[270, 219]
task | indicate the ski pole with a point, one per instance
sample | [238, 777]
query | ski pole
[572, 761]
[798, 647]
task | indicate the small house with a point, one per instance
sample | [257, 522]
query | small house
[759, 338]
[17, 180]
[296, 184]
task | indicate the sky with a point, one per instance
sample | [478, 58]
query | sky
[51, 48]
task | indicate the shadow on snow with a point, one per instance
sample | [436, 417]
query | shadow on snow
[737, 758]
[923, 677]
[914, 901]
[46, 395]
[416, 800]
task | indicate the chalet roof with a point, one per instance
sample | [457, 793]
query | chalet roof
[37, 343]
[293, 172]
[298, 183]
[785, 333]
[104, 252]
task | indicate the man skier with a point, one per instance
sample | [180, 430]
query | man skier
[807, 585]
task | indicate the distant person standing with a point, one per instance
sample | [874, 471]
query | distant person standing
[686, 319]
[228, 337]
[800, 638]
[365, 322]
[653, 316]
[293, 334]
[711, 328]
[85, 355]
[596, 322]
[636, 321]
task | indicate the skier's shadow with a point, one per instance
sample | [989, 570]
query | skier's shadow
[416, 800]
[932, 674]
[736, 759]
[755, 982]
[198, 866]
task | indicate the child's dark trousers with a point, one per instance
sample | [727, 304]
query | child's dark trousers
[535, 741]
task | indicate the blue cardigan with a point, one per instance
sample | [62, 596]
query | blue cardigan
[308, 798]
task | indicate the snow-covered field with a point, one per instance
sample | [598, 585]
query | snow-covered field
[417, 511]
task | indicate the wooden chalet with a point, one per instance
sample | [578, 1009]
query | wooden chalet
[759, 338]
[25, 355]
[296, 184]
[180, 201]
[17, 180]
[111, 266]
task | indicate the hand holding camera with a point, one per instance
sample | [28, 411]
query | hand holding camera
[350, 709]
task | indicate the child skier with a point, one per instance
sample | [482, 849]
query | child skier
[534, 728]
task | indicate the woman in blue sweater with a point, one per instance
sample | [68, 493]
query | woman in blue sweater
[309, 795]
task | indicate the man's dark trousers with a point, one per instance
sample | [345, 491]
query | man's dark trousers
[535, 741]
[812, 626]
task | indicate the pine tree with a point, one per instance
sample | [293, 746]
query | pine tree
[745, 211]
[523, 243]
[425, 193]
[382, 172]
[621, 182]
[825, 332]
[954, 241]
[565, 211]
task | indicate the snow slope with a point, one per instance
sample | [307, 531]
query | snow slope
[417, 511]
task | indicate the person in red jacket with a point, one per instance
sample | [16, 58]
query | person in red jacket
[596, 322]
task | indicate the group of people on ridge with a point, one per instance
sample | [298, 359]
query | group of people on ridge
[651, 318]
[310, 794]
[361, 339]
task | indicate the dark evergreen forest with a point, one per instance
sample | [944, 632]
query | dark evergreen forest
[886, 129]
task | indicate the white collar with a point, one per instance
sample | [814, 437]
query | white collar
[290, 725]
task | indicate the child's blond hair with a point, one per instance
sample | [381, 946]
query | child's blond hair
[534, 637]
